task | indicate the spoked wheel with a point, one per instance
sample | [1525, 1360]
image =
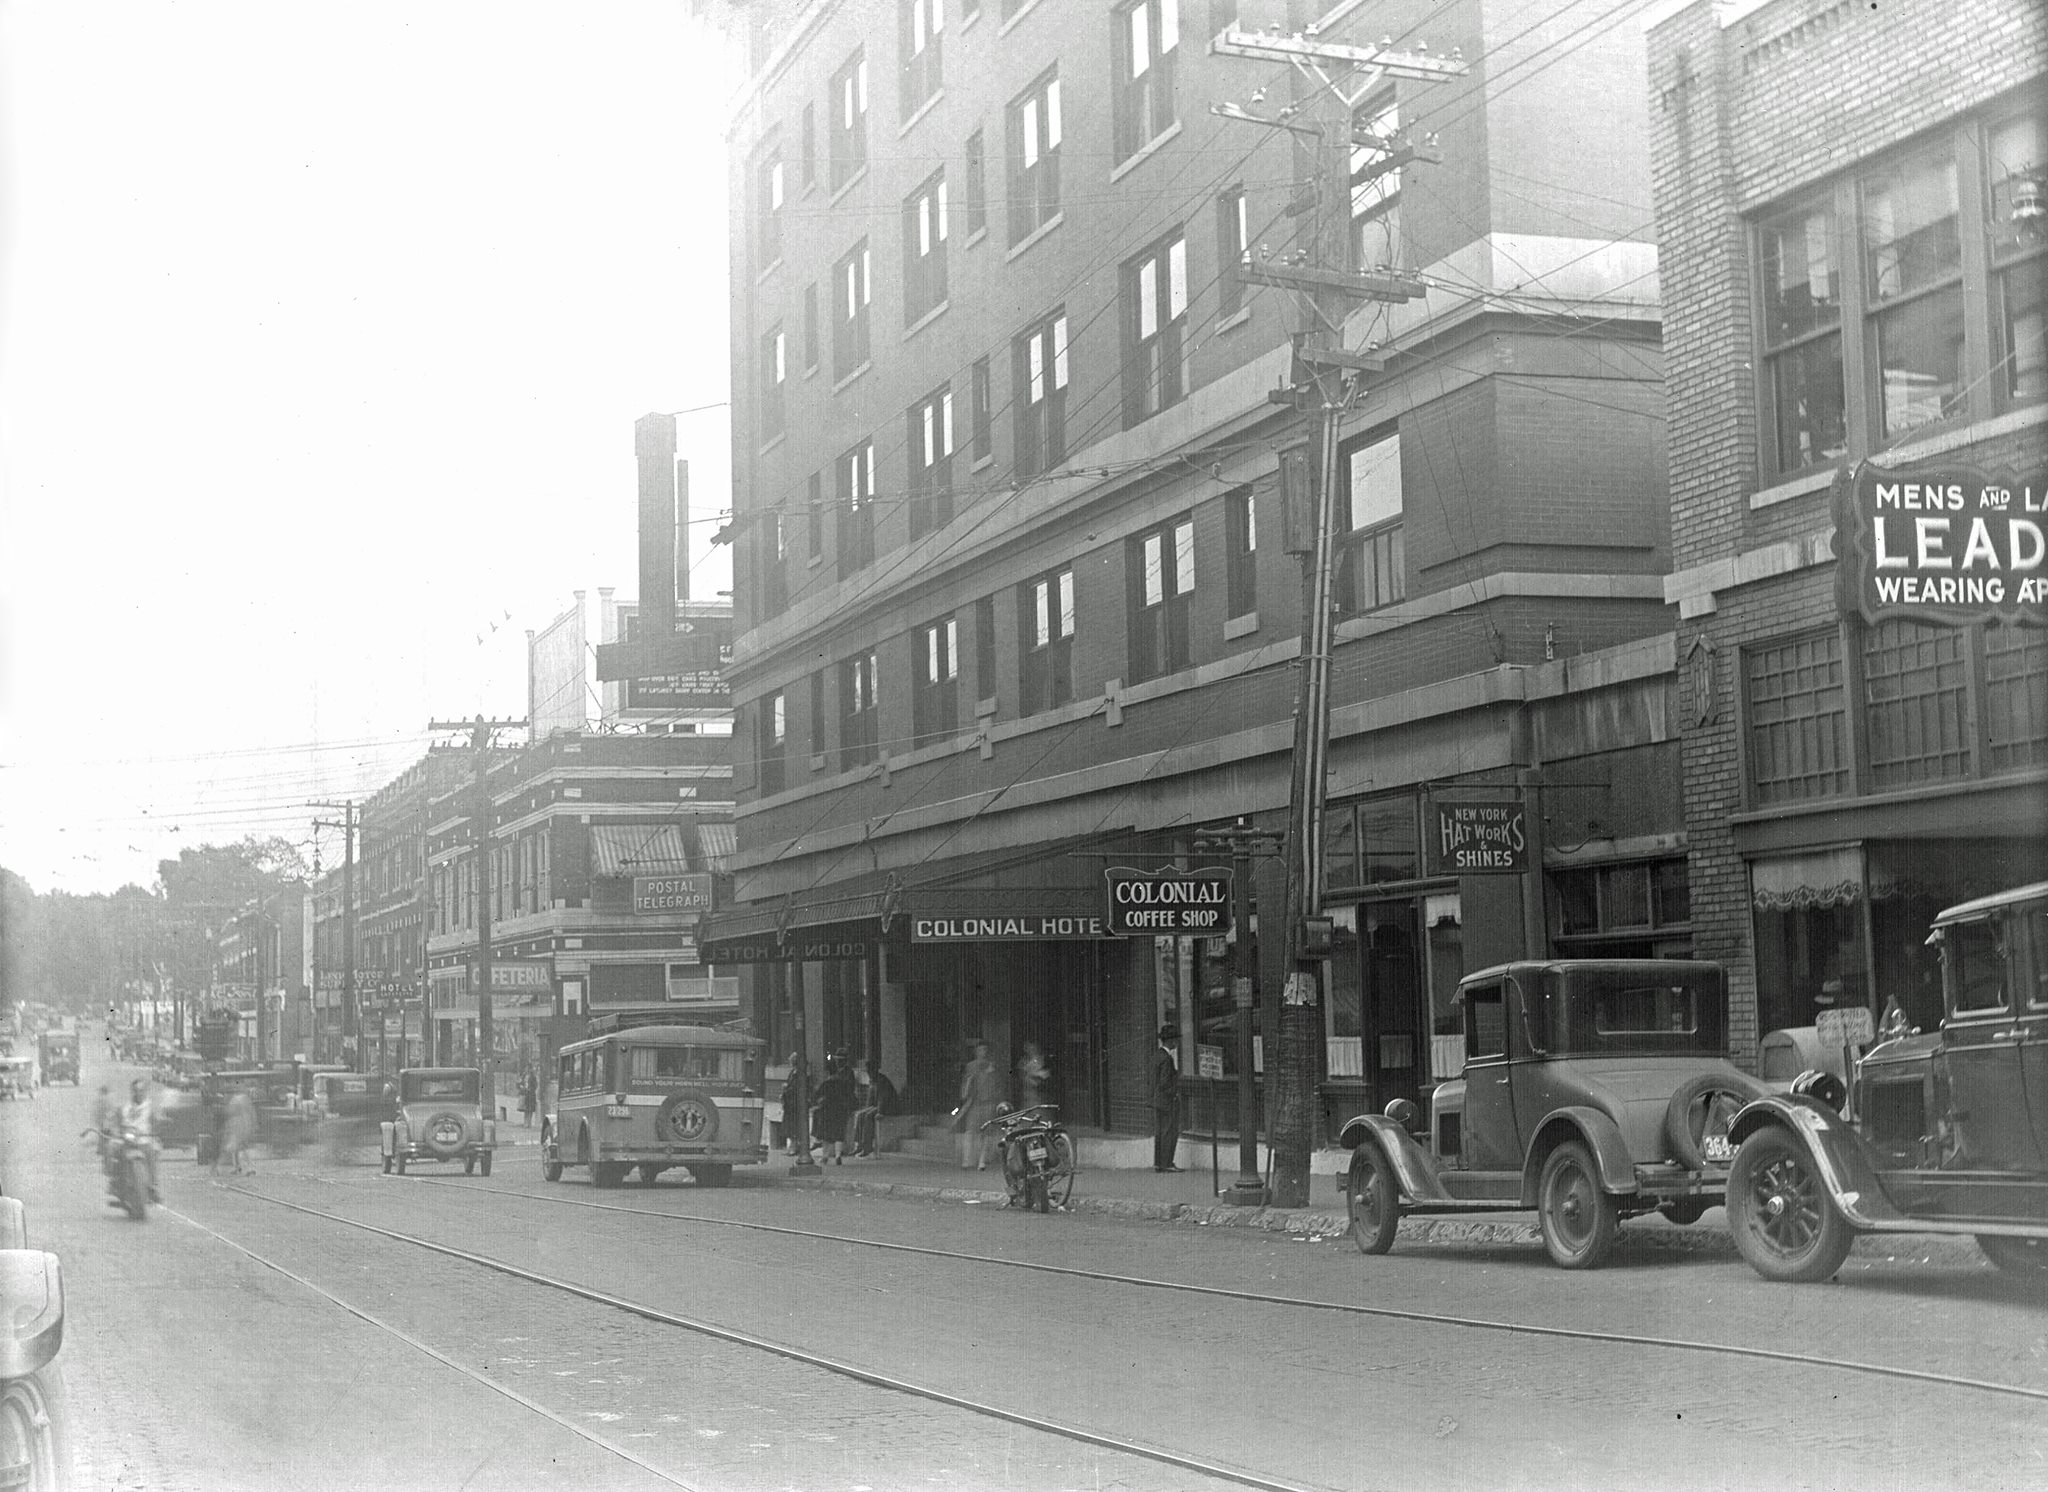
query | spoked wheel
[136, 1198]
[33, 1450]
[2022, 1258]
[1015, 1173]
[1373, 1200]
[1579, 1219]
[1061, 1169]
[1780, 1214]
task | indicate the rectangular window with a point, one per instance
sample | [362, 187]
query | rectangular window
[1916, 689]
[857, 711]
[924, 248]
[1372, 565]
[1913, 268]
[818, 713]
[771, 732]
[1802, 316]
[930, 439]
[1160, 566]
[814, 518]
[774, 373]
[1376, 185]
[1155, 308]
[769, 554]
[985, 647]
[857, 508]
[933, 707]
[1233, 244]
[811, 327]
[2018, 160]
[849, 120]
[917, 50]
[976, 188]
[1045, 641]
[767, 214]
[1034, 145]
[984, 413]
[852, 292]
[1798, 718]
[1039, 379]
[810, 146]
[1241, 550]
[1147, 36]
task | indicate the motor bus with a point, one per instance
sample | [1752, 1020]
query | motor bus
[655, 1098]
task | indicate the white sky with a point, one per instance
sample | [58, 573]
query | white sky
[325, 328]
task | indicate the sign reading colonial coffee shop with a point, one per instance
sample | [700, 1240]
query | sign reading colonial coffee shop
[1478, 837]
[1944, 544]
[1177, 903]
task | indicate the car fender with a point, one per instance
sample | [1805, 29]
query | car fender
[1601, 1135]
[1413, 1169]
[32, 1289]
[1842, 1158]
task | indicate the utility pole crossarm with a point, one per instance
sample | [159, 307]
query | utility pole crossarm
[1356, 286]
[1416, 66]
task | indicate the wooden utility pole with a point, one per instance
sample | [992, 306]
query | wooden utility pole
[351, 1017]
[480, 733]
[1332, 79]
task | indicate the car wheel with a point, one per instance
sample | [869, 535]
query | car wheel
[1779, 1211]
[483, 1163]
[1373, 1200]
[550, 1157]
[1685, 1211]
[1579, 1218]
[2023, 1258]
[711, 1175]
[34, 1448]
[1701, 1110]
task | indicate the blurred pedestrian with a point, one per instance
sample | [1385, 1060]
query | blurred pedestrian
[1165, 1101]
[877, 1097]
[1032, 1075]
[832, 1110]
[979, 1085]
[239, 1132]
[529, 1097]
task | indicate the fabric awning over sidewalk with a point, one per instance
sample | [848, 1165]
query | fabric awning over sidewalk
[619, 851]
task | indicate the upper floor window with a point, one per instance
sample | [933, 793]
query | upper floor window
[1233, 245]
[853, 290]
[1372, 567]
[985, 647]
[814, 518]
[1241, 551]
[1913, 267]
[1034, 120]
[857, 711]
[771, 551]
[857, 508]
[975, 192]
[1802, 333]
[1039, 375]
[933, 707]
[1147, 36]
[767, 215]
[1161, 567]
[1155, 308]
[924, 248]
[809, 146]
[774, 373]
[1375, 185]
[1045, 641]
[931, 462]
[1798, 717]
[984, 411]
[771, 726]
[2019, 182]
[818, 713]
[918, 72]
[849, 119]
[811, 327]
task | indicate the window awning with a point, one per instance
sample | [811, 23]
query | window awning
[717, 841]
[622, 850]
[1815, 878]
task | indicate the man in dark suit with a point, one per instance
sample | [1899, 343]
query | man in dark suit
[1165, 1101]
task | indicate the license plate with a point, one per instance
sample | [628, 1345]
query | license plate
[1718, 1149]
[617, 1111]
[1035, 1152]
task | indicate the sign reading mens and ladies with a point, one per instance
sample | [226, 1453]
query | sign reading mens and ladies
[1943, 544]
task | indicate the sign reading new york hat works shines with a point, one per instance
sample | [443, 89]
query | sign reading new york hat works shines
[1188, 903]
[1945, 544]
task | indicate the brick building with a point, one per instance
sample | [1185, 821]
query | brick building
[1014, 601]
[1849, 214]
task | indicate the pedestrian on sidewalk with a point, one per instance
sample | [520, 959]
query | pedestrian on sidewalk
[878, 1097]
[529, 1098]
[978, 1098]
[1165, 1102]
[1032, 1076]
[832, 1110]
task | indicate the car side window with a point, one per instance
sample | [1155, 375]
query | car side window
[1975, 953]
[2037, 956]
[1486, 1023]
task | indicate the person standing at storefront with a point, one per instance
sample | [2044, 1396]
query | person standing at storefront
[1032, 1076]
[978, 1097]
[1165, 1102]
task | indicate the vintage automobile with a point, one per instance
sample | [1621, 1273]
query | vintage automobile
[17, 1077]
[1593, 1090]
[1942, 1131]
[59, 1052]
[35, 1448]
[440, 1117]
[345, 1111]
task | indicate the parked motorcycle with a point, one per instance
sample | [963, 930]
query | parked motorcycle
[1037, 1154]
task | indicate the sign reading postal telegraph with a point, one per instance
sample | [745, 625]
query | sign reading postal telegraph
[1943, 544]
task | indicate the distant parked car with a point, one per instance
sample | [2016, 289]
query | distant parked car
[1593, 1090]
[1943, 1131]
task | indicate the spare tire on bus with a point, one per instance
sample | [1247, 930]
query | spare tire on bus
[687, 1117]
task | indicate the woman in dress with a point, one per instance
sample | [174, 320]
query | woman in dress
[979, 1094]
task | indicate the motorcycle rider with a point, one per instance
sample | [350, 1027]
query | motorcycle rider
[139, 1115]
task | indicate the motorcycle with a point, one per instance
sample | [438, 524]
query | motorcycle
[1037, 1154]
[125, 1158]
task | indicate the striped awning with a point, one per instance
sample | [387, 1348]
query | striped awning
[624, 850]
[717, 841]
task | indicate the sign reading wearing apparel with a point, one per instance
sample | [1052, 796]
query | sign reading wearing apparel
[1168, 903]
[1944, 544]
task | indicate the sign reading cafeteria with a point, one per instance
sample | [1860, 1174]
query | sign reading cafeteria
[1184, 903]
[1005, 927]
[1478, 837]
[683, 893]
[1943, 544]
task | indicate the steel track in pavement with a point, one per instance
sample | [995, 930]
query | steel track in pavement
[1344, 1307]
[1217, 1470]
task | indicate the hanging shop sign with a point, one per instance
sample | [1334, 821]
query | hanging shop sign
[1944, 544]
[1005, 927]
[683, 893]
[1180, 903]
[803, 945]
[1478, 837]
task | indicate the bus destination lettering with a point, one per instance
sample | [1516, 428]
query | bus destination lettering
[1177, 903]
[1949, 545]
[1478, 838]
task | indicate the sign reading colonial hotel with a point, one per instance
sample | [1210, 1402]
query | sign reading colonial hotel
[1181, 903]
[1946, 544]
[1003, 927]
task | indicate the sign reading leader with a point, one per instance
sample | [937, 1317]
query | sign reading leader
[1183, 903]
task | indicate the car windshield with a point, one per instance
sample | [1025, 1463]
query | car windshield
[456, 1085]
[1659, 1011]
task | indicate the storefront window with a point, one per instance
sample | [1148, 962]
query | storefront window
[1443, 916]
[1391, 837]
[1640, 910]
[1340, 847]
[1808, 959]
[1344, 1010]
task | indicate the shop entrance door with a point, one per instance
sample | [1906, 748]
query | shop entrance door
[1394, 1031]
